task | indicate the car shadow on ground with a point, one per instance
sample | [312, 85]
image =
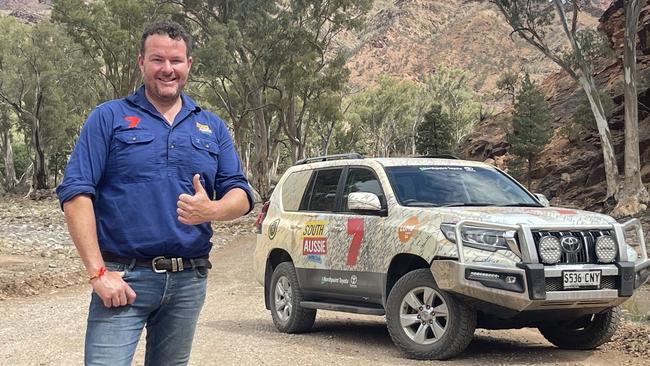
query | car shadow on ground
[513, 346]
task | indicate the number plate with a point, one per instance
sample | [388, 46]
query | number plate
[581, 279]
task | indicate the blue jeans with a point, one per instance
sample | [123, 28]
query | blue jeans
[168, 304]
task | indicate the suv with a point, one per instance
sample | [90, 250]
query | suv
[440, 247]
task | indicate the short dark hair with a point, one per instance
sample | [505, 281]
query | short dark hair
[167, 27]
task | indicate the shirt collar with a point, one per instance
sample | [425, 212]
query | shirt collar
[138, 98]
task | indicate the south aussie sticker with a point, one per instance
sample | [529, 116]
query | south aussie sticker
[314, 241]
[204, 129]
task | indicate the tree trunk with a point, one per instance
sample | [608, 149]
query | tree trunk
[634, 193]
[39, 179]
[589, 85]
[10, 168]
[261, 160]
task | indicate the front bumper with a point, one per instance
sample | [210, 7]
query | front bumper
[534, 286]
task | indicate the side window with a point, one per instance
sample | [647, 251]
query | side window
[361, 180]
[322, 196]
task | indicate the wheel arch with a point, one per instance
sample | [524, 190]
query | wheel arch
[275, 257]
[400, 265]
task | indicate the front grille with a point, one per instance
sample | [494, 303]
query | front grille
[586, 240]
[606, 283]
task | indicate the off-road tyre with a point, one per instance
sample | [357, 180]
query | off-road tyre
[299, 319]
[587, 333]
[460, 320]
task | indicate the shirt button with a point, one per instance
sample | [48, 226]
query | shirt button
[207, 145]
[134, 138]
[172, 146]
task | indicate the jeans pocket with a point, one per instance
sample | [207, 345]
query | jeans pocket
[117, 267]
[201, 272]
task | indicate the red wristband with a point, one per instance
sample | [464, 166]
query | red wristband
[102, 271]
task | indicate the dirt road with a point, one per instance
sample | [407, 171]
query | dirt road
[236, 329]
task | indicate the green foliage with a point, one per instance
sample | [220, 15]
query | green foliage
[43, 81]
[108, 32]
[531, 129]
[516, 168]
[450, 88]
[385, 115]
[594, 45]
[508, 84]
[435, 133]
[21, 158]
[583, 119]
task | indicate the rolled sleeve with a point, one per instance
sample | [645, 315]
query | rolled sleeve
[230, 174]
[87, 161]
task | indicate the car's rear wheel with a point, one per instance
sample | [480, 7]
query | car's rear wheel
[587, 332]
[426, 322]
[286, 295]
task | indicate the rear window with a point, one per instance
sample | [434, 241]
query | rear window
[293, 188]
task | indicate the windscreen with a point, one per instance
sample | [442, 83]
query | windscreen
[431, 186]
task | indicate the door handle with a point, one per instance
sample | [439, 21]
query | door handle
[338, 227]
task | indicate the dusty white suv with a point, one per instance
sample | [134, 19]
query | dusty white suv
[440, 247]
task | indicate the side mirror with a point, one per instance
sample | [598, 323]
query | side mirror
[363, 201]
[542, 199]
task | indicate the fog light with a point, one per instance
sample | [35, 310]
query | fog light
[606, 249]
[511, 279]
[483, 275]
[550, 250]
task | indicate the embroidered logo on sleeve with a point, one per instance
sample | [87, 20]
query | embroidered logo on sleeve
[133, 121]
[204, 129]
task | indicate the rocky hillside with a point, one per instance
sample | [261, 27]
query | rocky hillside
[571, 172]
[30, 11]
[408, 38]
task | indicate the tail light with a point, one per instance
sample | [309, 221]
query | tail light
[261, 217]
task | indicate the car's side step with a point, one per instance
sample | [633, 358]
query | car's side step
[343, 308]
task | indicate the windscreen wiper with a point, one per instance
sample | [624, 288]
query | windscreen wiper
[469, 204]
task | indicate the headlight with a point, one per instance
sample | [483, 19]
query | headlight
[606, 249]
[479, 238]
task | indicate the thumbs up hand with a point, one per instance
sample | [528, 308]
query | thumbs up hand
[194, 210]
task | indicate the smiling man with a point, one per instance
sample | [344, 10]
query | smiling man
[148, 174]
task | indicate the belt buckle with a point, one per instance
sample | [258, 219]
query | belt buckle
[153, 265]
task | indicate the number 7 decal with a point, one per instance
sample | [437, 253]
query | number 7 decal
[355, 228]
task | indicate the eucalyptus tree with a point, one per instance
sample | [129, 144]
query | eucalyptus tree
[109, 32]
[634, 193]
[532, 20]
[44, 83]
[269, 64]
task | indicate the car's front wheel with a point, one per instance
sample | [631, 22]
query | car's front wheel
[286, 295]
[426, 322]
[587, 332]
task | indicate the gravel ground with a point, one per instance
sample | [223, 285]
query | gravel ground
[43, 301]
[37, 254]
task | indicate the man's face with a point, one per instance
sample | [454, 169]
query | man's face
[164, 66]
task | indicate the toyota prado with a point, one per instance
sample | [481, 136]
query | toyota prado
[440, 247]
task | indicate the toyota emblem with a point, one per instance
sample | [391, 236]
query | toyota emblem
[570, 244]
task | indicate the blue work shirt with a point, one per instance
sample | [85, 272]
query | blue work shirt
[135, 165]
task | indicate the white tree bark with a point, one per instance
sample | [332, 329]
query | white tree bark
[634, 194]
[10, 170]
[589, 85]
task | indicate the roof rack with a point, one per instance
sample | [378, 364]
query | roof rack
[328, 158]
[439, 156]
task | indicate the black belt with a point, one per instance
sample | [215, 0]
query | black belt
[161, 264]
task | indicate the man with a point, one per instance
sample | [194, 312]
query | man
[147, 175]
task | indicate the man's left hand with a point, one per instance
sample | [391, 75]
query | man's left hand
[193, 210]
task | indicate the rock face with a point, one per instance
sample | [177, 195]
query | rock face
[572, 172]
